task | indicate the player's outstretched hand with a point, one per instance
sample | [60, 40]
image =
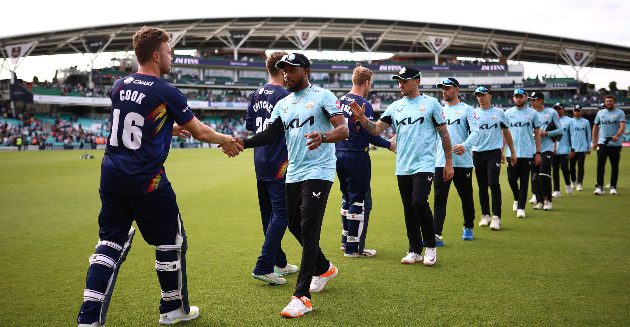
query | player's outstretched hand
[357, 111]
[315, 140]
[537, 159]
[180, 131]
[459, 149]
[232, 146]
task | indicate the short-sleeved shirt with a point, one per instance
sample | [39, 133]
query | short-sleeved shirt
[143, 111]
[580, 134]
[461, 125]
[609, 121]
[308, 110]
[546, 117]
[490, 123]
[564, 145]
[270, 161]
[522, 122]
[415, 121]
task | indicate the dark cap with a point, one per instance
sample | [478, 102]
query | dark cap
[293, 59]
[520, 92]
[408, 73]
[577, 107]
[448, 82]
[558, 105]
[536, 95]
[482, 90]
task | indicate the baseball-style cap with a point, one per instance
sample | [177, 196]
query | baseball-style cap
[293, 59]
[408, 73]
[577, 107]
[536, 95]
[558, 105]
[482, 90]
[520, 92]
[448, 82]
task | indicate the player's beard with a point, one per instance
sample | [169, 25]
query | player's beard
[297, 85]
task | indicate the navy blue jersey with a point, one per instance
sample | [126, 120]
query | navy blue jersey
[270, 161]
[143, 111]
[359, 138]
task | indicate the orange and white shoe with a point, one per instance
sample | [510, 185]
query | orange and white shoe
[297, 307]
[318, 282]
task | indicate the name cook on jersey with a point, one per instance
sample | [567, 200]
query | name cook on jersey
[135, 96]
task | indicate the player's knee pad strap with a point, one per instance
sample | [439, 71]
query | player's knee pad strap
[344, 232]
[167, 266]
[104, 260]
[354, 216]
[92, 295]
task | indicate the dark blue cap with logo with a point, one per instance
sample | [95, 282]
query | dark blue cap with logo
[482, 90]
[293, 59]
[448, 82]
[577, 107]
[520, 92]
[536, 95]
[408, 73]
[558, 105]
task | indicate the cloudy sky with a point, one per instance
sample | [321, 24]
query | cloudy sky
[603, 21]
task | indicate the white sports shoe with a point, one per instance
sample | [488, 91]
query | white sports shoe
[569, 189]
[547, 205]
[485, 221]
[496, 223]
[297, 307]
[613, 191]
[318, 282]
[555, 194]
[572, 184]
[598, 191]
[520, 213]
[288, 269]
[94, 324]
[430, 257]
[515, 206]
[175, 316]
[538, 206]
[271, 278]
[365, 253]
[579, 187]
[411, 258]
[533, 199]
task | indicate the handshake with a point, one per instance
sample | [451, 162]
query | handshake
[231, 146]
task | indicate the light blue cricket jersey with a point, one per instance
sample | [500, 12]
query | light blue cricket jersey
[522, 122]
[415, 122]
[564, 145]
[462, 130]
[608, 121]
[580, 134]
[490, 123]
[302, 112]
[546, 117]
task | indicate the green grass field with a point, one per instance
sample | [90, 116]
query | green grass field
[565, 267]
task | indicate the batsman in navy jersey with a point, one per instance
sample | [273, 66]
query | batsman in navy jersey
[270, 163]
[354, 168]
[134, 184]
